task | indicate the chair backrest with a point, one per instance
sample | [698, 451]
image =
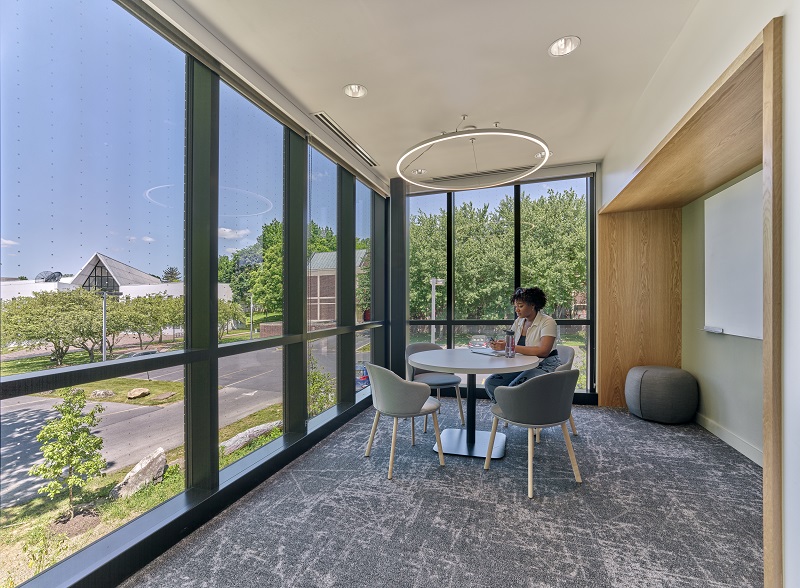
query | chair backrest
[394, 396]
[416, 348]
[543, 400]
[566, 354]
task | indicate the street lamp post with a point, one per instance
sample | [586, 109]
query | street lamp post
[251, 315]
[434, 282]
[104, 325]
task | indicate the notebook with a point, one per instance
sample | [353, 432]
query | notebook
[487, 351]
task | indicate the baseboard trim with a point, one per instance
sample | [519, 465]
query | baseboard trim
[749, 450]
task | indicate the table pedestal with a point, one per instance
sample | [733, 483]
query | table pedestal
[470, 442]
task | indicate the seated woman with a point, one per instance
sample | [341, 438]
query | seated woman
[535, 334]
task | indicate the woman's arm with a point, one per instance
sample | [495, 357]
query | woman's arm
[543, 349]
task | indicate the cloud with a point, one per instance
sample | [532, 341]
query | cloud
[231, 250]
[148, 239]
[7, 242]
[131, 237]
[233, 233]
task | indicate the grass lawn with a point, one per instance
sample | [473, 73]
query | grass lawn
[9, 367]
[20, 523]
[121, 386]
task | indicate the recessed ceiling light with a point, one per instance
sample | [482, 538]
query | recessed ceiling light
[564, 46]
[355, 90]
[418, 172]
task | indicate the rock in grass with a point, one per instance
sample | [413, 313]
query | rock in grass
[138, 393]
[148, 471]
[243, 438]
[102, 394]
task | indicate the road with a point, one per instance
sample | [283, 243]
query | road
[249, 382]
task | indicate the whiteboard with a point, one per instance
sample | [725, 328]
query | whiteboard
[734, 299]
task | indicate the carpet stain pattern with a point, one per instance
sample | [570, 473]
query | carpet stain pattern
[660, 506]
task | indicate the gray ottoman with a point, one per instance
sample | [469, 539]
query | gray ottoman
[661, 394]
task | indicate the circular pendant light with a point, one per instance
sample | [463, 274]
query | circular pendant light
[487, 179]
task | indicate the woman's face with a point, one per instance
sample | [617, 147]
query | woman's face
[523, 309]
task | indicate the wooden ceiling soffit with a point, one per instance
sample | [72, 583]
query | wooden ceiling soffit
[719, 139]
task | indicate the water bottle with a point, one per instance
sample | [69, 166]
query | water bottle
[510, 344]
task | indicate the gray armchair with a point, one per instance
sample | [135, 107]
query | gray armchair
[436, 380]
[544, 401]
[566, 354]
[398, 398]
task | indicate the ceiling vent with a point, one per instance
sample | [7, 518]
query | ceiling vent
[470, 175]
[333, 126]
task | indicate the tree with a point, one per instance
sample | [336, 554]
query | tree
[228, 312]
[321, 388]
[46, 318]
[71, 451]
[22, 278]
[171, 274]
[364, 282]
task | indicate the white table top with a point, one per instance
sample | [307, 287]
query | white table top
[463, 361]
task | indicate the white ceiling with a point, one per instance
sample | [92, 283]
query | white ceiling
[425, 63]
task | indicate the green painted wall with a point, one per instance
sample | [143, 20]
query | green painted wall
[727, 368]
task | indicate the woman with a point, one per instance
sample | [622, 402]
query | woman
[535, 334]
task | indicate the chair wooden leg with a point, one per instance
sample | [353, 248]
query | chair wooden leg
[486, 463]
[438, 438]
[531, 445]
[439, 398]
[571, 454]
[425, 426]
[372, 434]
[394, 444]
[413, 434]
[460, 408]
[572, 424]
[538, 434]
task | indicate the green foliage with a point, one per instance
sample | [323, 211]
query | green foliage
[43, 548]
[71, 451]
[171, 274]
[22, 278]
[321, 389]
[228, 312]
[553, 251]
[364, 282]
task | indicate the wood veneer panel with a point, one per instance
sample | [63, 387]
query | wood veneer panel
[639, 296]
[773, 310]
[718, 140]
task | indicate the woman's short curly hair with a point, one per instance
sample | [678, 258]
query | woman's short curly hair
[533, 296]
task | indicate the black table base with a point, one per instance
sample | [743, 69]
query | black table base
[469, 442]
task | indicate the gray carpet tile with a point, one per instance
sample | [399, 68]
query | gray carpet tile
[660, 506]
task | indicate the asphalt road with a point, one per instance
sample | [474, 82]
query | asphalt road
[249, 382]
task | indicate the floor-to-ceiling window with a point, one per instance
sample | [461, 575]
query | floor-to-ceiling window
[92, 163]
[469, 250]
[145, 223]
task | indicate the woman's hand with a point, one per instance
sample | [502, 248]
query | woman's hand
[497, 345]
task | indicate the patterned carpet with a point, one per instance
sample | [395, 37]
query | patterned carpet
[660, 506]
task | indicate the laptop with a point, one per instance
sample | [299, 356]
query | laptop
[487, 351]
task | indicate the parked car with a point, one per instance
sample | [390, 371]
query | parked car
[362, 377]
[137, 353]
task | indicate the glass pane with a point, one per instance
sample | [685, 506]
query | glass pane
[363, 354]
[321, 375]
[484, 253]
[36, 529]
[423, 334]
[322, 219]
[363, 253]
[250, 288]
[250, 402]
[427, 257]
[577, 336]
[555, 244]
[91, 185]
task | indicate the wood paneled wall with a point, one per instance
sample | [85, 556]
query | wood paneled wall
[638, 296]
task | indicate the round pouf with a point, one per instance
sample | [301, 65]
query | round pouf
[662, 394]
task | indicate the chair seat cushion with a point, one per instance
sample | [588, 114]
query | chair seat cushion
[437, 380]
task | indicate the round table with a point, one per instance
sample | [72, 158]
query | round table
[470, 442]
